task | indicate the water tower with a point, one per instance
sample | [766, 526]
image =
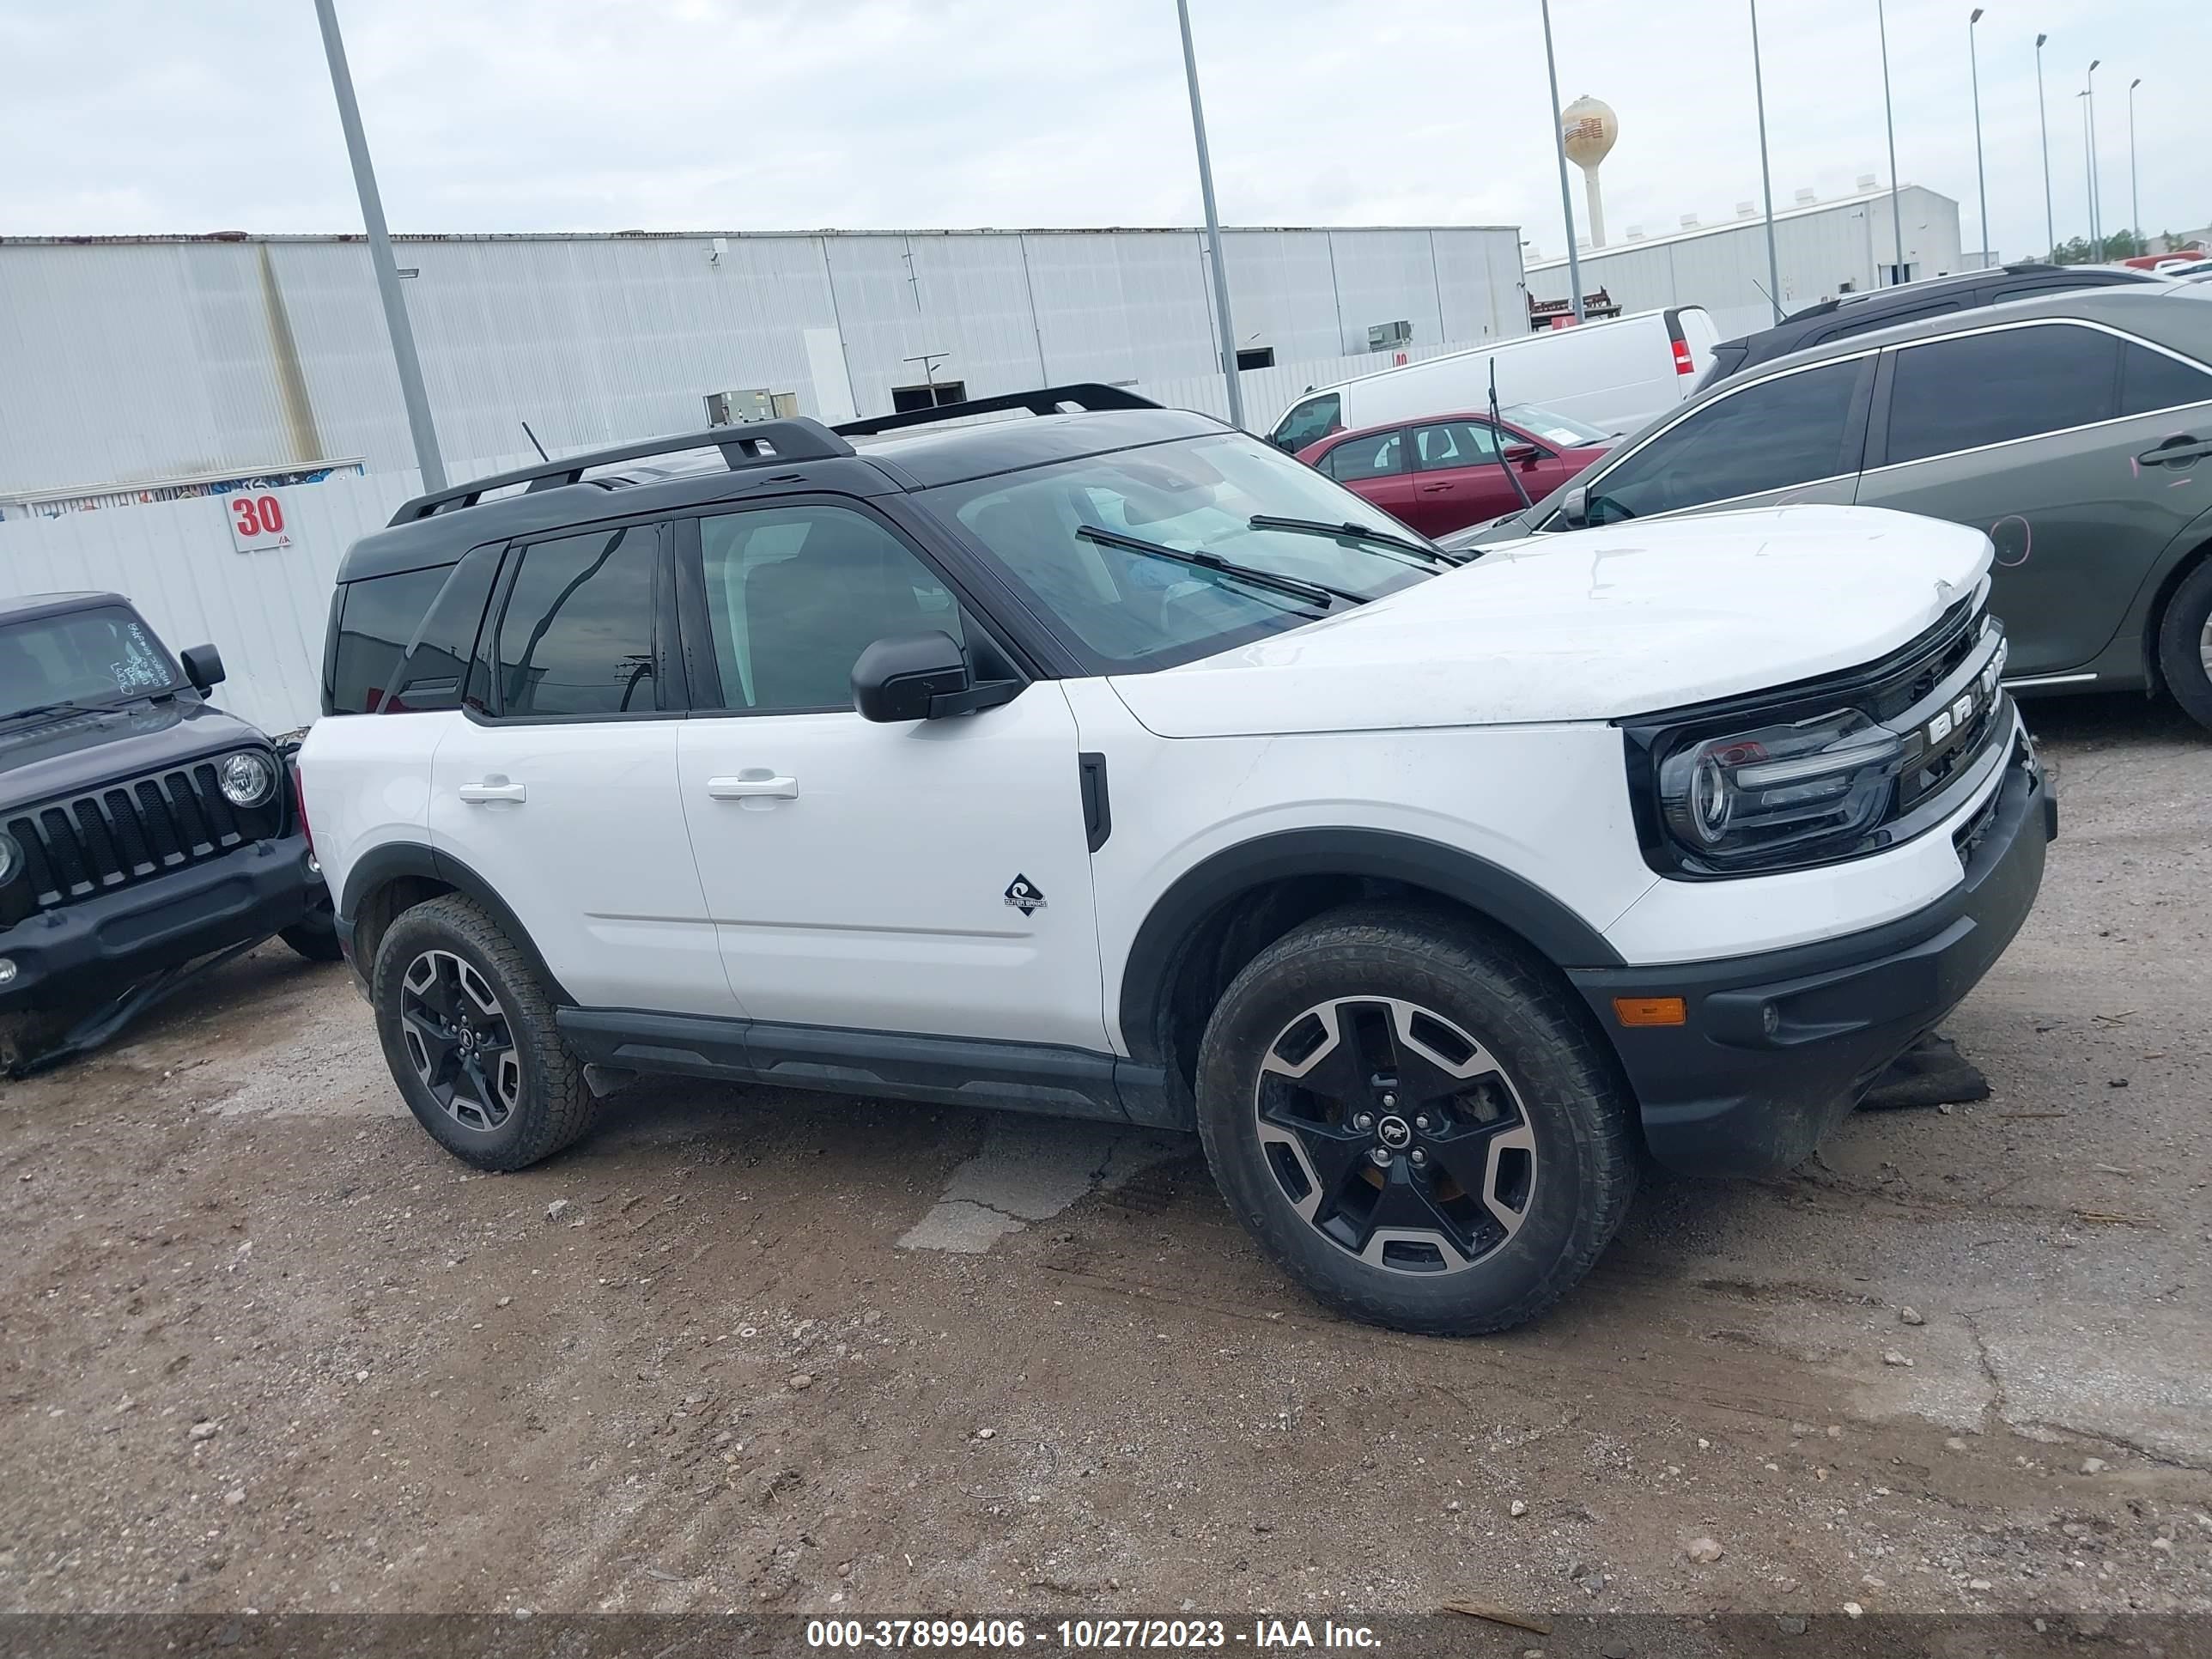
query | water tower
[1588, 129]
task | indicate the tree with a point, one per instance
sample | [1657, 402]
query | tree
[2080, 250]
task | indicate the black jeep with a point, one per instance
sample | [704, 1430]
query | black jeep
[141, 829]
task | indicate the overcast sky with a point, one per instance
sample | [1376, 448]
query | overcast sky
[135, 116]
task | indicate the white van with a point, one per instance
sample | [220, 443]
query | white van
[1615, 375]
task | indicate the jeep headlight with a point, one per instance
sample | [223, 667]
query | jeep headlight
[11, 858]
[1781, 794]
[247, 779]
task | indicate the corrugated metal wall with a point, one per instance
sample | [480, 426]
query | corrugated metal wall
[1724, 270]
[131, 361]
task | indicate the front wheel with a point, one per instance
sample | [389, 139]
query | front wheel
[1414, 1122]
[2185, 644]
[468, 1034]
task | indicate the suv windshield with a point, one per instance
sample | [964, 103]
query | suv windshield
[1123, 609]
[101, 654]
[1552, 427]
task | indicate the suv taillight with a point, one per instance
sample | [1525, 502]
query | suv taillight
[1683, 363]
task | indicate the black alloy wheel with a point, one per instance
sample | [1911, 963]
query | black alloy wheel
[460, 1040]
[1396, 1135]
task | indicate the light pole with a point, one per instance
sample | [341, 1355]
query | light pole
[2043, 116]
[2135, 201]
[2096, 195]
[379, 252]
[1981, 178]
[1560, 139]
[1212, 225]
[1889, 114]
[2089, 168]
[1766, 176]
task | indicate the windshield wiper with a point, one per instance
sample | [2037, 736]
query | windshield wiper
[1296, 587]
[1348, 531]
[62, 707]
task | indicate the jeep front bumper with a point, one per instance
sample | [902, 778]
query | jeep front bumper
[94, 949]
[1777, 1048]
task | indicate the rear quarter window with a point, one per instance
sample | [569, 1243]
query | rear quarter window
[371, 623]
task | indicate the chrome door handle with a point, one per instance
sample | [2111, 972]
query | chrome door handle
[493, 789]
[759, 787]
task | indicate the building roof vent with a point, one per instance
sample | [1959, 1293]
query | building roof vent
[1745, 209]
[1636, 233]
[1867, 181]
[1806, 198]
[1689, 221]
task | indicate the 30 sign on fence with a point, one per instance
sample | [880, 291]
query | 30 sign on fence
[256, 522]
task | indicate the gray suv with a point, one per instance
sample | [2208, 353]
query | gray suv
[2075, 430]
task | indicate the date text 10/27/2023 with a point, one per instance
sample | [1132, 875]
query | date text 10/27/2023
[1086, 1634]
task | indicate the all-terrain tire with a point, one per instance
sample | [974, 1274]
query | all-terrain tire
[553, 1106]
[2184, 643]
[1371, 962]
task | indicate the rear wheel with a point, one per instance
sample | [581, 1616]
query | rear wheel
[1413, 1122]
[2184, 643]
[468, 1034]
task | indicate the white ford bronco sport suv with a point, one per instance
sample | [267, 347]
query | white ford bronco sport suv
[1109, 762]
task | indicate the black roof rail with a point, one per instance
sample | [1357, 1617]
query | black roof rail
[1084, 395]
[798, 439]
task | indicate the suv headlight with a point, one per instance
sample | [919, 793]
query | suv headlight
[247, 779]
[11, 858]
[1780, 794]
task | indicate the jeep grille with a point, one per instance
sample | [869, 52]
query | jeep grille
[132, 830]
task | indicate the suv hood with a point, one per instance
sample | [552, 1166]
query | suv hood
[67, 754]
[1595, 625]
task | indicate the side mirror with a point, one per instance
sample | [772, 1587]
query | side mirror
[1522, 454]
[203, 667]
[901, 677]
[1574, 508]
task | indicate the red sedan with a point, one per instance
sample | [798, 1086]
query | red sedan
[1444, 473]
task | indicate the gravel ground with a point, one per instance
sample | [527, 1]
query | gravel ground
[263, 1345]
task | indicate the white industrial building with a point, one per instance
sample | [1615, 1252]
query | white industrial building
[142, 361]
[1823, 248]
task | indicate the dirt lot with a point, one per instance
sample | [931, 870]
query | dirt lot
[263, 1345]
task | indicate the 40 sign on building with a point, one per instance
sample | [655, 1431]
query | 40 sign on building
[258, 523]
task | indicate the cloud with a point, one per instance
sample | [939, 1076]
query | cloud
[131, 116]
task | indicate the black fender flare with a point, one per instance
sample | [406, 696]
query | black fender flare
[1509, 900]
[381, 866]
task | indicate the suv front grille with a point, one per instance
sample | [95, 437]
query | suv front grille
[132, 830]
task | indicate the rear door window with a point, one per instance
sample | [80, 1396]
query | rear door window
[2000, 386]
[1789, 430]
[1378, 455]
[1455, 443]
[2151, 380]
[576, 636]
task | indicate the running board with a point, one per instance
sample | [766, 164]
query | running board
[949, 1070]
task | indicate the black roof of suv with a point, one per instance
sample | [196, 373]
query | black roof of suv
[1887, 307]
[764, 456]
